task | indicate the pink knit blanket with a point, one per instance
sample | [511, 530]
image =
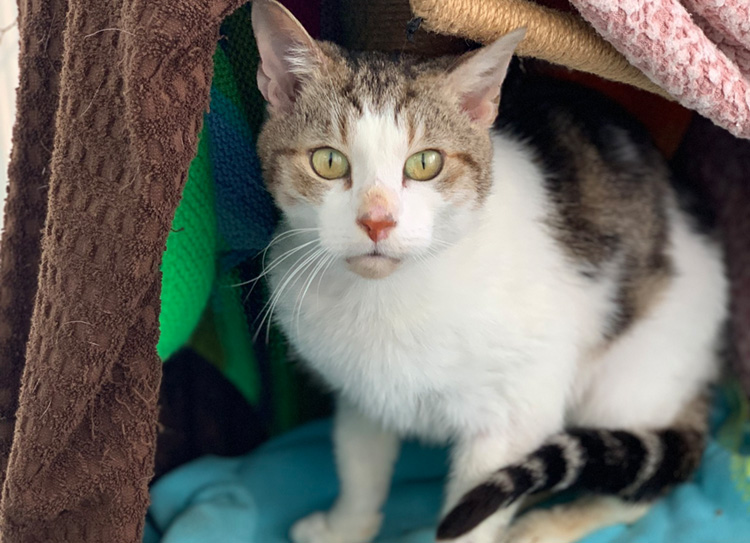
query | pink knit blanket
[697, 50]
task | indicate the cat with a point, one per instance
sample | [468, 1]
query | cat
[525, 287]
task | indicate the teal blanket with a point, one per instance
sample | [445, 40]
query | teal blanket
[254, 499]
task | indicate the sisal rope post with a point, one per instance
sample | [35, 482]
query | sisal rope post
[551, 35]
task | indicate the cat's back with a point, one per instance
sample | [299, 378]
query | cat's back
[608, 186]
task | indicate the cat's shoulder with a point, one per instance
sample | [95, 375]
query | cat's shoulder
[566, 124]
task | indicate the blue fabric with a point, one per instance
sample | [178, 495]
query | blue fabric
[245, 212]
[254, 499]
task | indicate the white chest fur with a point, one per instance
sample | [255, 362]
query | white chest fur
[420, 361]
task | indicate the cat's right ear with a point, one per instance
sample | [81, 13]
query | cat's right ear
[287, 53]
[478, 76]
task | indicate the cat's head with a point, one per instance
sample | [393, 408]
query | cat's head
[388, 158]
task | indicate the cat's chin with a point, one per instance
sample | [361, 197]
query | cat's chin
[373, 266]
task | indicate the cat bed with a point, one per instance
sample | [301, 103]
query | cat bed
[256, 498]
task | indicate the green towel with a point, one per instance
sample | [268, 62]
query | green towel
[189, 262]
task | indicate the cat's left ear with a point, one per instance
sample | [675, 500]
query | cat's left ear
[287, 53]
[478, 76]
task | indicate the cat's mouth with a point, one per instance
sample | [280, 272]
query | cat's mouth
[373, 265]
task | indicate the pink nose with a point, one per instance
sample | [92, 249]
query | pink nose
[378, 227]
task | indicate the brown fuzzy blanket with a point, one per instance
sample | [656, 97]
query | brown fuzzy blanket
[111, 98]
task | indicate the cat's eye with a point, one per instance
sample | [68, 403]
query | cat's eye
[329, 163]
[424, 165]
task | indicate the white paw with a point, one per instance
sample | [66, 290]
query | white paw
[487, 532]
[541, 526]
[474, 539]
[313, 529]
[335, 528]
[477, 538]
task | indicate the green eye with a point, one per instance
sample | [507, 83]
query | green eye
[329, 163]
[424, 165]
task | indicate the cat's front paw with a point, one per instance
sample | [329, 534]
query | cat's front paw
[492, 530]
[313, 529]
[541, 526]
[333, 528]
[478, 535]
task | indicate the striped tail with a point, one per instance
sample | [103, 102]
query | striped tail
[632, 465]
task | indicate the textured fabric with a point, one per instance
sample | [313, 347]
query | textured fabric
[246, 215]
[255, 498]
[697, 50]
[40, 25]
[134, 82]
[189, 263]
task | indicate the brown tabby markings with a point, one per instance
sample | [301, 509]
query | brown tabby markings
[463, 175]
[611, 209]
[409, 95]
[348, 94]
[286, 152]
[411, 128]
[343, 127]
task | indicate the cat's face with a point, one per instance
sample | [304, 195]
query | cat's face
[389, 159]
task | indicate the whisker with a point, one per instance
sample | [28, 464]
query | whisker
[441, 242]
[281, 281]
[300, 272]
[331, 260]
[422, 258]
[276, 261]
[293, 273]
[290, 232]
[284, 235]
[301, 297]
